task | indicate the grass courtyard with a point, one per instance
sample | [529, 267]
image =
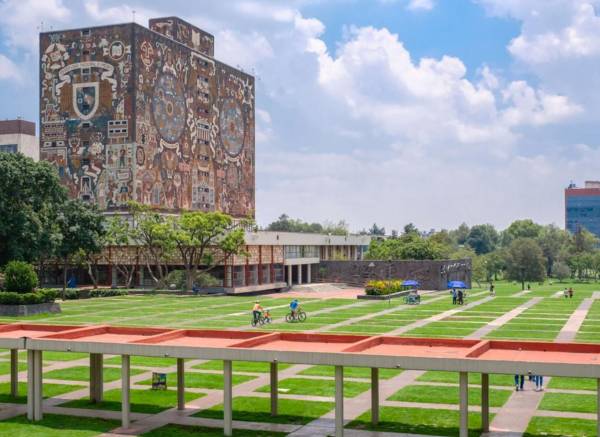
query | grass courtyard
[423, 402]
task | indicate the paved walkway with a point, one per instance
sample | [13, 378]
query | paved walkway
[503, 319]
[569, 331]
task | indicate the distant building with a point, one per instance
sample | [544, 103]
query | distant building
[18, 136]
[582, 207]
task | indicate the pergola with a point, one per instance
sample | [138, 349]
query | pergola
[453, 355]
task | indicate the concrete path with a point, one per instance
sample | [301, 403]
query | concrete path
[502, 320]
[569, 331]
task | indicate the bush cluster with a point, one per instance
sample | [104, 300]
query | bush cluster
[178, 278]
[108, 292]
[379, 288]
[40, 296]
[20, 277]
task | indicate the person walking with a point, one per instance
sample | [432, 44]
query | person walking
[460, 296]
[454, 296]
[539, 382]
[519, 382]
[570, 292]
[492, 290]
[566, 293]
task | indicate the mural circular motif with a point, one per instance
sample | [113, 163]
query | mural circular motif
[168, 108]
[232, 127]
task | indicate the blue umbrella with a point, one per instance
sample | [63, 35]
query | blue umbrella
[457, 284]
[410, 283]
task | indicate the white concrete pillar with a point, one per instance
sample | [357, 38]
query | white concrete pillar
[30, 384]
[464, 404]
[289, 269]
[485, 402]
[180, 384]
[339, 401]
[227, 399]
[14, 372]
[38, 413]
[274, 397]
[96, 378]
[125, 385]
[374, 396]
[308, 274]
[299, 274]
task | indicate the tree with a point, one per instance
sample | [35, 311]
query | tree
[30, 196]
[482, 238]
[204, 240]
[460, 234]
[410, 246]
[286, 224]
[561, 271]
[584, 241]
[119, 236]
[551, 239]
[81, 229]
[521, 229]
[525, 261]
[410, 229]
[376, 230]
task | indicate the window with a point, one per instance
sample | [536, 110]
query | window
[86, 32]
[8, 148]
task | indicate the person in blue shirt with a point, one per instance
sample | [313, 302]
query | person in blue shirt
[294, 306]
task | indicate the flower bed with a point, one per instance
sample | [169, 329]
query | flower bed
[383, 288]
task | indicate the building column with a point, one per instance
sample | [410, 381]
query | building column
[339, 401]
[30, 384]
[308, 274]
[485, 402]
[96, 378]
[125, 385]
[289, 281]
[14, 372]
[180, 384]
[227, 399]
[274, 396]
[38, 413]
[464, 404]
[374, 396]
[299, 274]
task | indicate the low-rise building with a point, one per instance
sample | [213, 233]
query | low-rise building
[18, 136]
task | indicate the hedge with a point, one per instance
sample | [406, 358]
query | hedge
[379, 288]
[109, 292]
[39, 296]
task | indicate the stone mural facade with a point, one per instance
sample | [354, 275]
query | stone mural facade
[130, 113]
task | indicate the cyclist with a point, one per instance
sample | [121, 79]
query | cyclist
[256, 310]
[294, 304]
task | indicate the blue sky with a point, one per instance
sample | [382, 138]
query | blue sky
[427, 111]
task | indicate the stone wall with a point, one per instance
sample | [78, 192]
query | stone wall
[433, 275]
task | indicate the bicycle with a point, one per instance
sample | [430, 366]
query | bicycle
[261, 319]
[298, 316]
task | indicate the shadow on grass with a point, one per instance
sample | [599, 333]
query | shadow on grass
[56, 426]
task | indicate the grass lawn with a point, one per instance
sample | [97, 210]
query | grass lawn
[447, 395]
[56, 426]
[57, 356]
[418, 421]
[50, 391]
[201, 380]
[560, 427]
[194, 431]
[5, 367]
[145, 361]
[569, 402]
[474, 378]
[252, 409]
[312, 387]
[350, 372]
[142, 401]
[82, 373]
[240, 366]
[572, 383]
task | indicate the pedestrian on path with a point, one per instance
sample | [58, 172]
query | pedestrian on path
[570, 292]
[519, 382]
[454, 296]
[539, 382]
[461, 296]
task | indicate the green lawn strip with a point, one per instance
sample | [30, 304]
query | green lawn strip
[145, 361]
[289, 411]
[563, 382]
[569, 402]
[510, 334]
[142, 401]
[560, 427]
[82, 373]
[195, 431]
[588, 337]
[418, 421]
[56, 426]
[201, 380]
[58, 356]
[310, 387]
[241, 366]
[350, 372]
[363, 329]
[474, 378]
[5, 367]
[447, 395]
[50, 391]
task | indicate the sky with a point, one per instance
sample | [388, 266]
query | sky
[434, 112]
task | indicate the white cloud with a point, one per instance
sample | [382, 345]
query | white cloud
[118, 14]
[420, 5]
[8, 69]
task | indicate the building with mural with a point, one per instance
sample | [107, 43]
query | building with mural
[147, 114]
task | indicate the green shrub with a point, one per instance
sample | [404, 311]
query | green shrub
[20, 277]
[40, 296]
[178, 278]
[71, 294]
[108, 292]
[381, 288]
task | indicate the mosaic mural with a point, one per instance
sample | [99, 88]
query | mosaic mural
[129, 114]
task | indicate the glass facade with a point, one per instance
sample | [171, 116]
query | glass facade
[301, 252]
[8, 148]
[584, 212]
